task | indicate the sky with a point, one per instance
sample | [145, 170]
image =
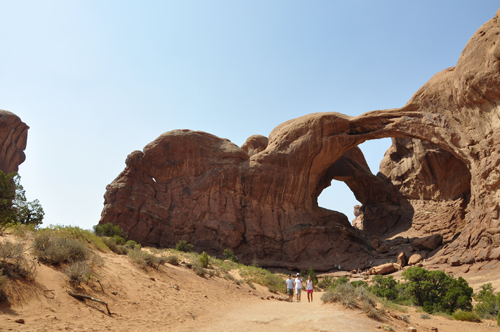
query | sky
[95, 80]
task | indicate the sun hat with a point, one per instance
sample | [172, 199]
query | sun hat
[298, 274]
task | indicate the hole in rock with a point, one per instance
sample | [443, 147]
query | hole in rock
[374, 151]
[338, 197]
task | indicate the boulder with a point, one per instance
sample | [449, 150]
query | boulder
[383, 248]
[414, 259]
[429, 242]
[383, 269]
[454, 261]
[401, 260]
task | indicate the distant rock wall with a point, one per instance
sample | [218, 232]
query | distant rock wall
[262, 199]
[13, 139]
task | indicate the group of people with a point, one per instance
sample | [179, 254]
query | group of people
[296, 284]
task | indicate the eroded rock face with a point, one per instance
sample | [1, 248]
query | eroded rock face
[13, 139]
[262, 199]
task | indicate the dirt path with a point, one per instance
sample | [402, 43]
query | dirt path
[285, 316]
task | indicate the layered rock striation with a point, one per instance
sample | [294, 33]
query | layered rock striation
[13, 139]
[261, 199]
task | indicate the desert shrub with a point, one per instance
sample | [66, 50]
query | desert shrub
[183, 246]
[228, 254]
[386, 327]
[263, 277]
[199, 270]
[56, 249]
[252, 286]
[76, 233]
[119, 240]
[122, 250]
[131, 244]
[311, 273]
[13, 261]
[204, 259]
[110, 243]
[344, 293]
[145, 259]
[425, 316]
[211, 273]
[404, 318]
[172, 259]
[466, 316]
[372, 311]
[78, 272]
[487, 306]
[436, 291]
[109, 230]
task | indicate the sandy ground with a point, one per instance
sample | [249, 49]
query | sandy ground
[147, 301]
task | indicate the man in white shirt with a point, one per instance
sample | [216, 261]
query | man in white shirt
[289, 287]
[298, 286]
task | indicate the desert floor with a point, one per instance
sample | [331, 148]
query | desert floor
[147, 301]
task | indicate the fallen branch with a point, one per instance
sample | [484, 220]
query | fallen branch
[81, 296]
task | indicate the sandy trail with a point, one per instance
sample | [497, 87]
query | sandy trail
[147, 301]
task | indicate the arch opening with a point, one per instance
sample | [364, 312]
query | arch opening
[418, 185]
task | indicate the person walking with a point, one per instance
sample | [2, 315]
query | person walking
[298, 286]
[310, 289]
[289, 287]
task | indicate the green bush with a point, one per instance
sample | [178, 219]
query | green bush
[119, 240]
[436, 291]
[55, 249]
[78, 272]
[131, 244]
[228, 254]
[487, 306]
[386, 287]
[14, 208]
[183, 246]
[204, 259]
[466, 316]
[108, 229]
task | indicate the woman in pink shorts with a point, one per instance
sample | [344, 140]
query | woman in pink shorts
[309, 289]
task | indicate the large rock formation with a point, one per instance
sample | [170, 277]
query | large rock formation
[263, 199]
[13, 139]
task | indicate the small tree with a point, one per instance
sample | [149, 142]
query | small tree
[182, 245]
[229, 254]
[311, 273]
[14, 208]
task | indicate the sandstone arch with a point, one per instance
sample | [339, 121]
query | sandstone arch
[195, 186]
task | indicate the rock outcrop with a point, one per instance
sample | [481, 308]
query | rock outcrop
[13, 139]
[440, 177]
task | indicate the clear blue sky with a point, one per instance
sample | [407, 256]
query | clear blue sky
[96, 80]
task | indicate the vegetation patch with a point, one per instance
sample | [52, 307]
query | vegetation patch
[183, 246]
[56, 248]
[79, 272]
[145, 259]
[13, 261]
[466, 316]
